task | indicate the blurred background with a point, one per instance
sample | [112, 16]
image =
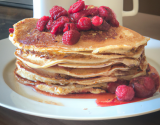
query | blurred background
[12, 11]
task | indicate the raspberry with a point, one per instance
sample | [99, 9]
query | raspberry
[50, 24]
[58, 27]
[144, 86]
[11, 30]
[91, 10]
[155, 78]
[41, 24]
[84, 23]
[97, 21]
[154, 75]
[76, 7]
[69, 26]
[66, 19]
[76, 16]
[111, 87]
[66, 27]
[71, 37]
[124, 93]
[86, 7]
[104, 26]
[57, 11]
[114, 22]
[105, 13]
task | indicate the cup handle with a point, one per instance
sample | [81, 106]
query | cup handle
[134, 11]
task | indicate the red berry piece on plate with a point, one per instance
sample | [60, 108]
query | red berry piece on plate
[69, 26]
[50, 24]
[41, 24]
[57, 11]
[105, 13]
[58, 27]
[76, 16]
[104, 26]
[76, 7]
[73, 26]
[84, 23]
[11, 30]
[111, 86]
[86, 7]
[155, 76]
[66, 27]
[91, 10]
[97, 21]
[125, 93]
[71, 37]
[143, 86]
[114, 22]
[64, 18]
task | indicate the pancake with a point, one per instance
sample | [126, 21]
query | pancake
[78, 73]
[126, 61]
[63, 90]
[44, 60]
[116, 40]
[50, 78]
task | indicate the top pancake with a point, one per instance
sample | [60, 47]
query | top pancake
[115, 40]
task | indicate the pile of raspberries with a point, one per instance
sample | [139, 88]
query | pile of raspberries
[141, 87]
[80, 17]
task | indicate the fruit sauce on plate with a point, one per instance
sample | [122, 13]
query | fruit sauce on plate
[109, 99]
[102, 100]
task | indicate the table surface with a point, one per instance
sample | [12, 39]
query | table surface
[145, 24]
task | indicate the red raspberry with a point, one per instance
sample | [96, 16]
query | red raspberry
[41, 24]
[71, 37]
[76, 16]
[143, 86]
[58, 27]
[105, 12]
[66, 19]
[111, 86]
[97, 21]
[104, 26]
[57, 11]
[50, 24]
[125, 93]
[70, 26]
[91, 10]
[86, 7]
[11, 30]
[155, 76]
[76, 7]
[84, 23]
[114, 22]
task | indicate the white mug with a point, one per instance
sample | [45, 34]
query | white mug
[42, 7]
[116, 6]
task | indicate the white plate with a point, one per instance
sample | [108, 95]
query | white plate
[20, 98]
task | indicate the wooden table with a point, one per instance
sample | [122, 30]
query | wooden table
[148, 25]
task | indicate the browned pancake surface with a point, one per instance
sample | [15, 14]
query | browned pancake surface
[26, 34]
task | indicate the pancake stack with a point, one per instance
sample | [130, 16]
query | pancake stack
[99, 57]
